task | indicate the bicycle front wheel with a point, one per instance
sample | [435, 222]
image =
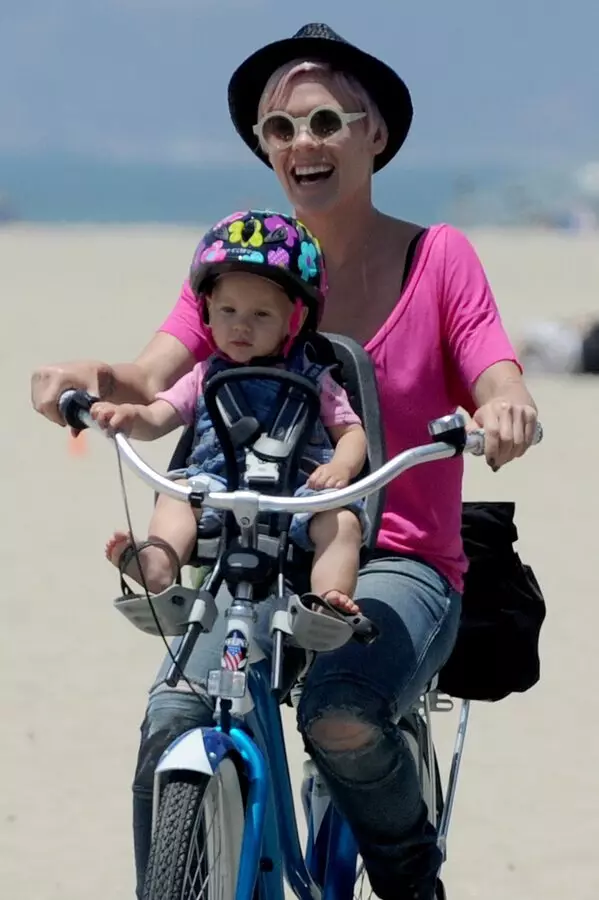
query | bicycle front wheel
[196, 843]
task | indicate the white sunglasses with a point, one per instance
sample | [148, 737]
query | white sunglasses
[278, 129]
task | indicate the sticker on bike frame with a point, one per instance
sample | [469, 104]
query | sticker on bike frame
[235, 651]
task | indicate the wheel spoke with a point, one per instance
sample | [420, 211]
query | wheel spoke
[362, 889]
[203, 862]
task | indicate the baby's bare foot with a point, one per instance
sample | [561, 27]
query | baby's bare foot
[151, 566]
[115, 546]
[342, 602]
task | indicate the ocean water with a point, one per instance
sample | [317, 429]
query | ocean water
[71, 189]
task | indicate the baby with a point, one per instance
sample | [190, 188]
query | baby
[260, 281]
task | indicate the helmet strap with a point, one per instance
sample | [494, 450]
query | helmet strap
[205, 320]
[295, 325]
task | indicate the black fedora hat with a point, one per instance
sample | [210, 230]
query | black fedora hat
[318, 41]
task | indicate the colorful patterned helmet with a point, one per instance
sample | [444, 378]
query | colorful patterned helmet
[266, 243]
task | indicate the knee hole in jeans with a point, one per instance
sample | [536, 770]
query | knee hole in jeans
[342, 732]
[351, 749]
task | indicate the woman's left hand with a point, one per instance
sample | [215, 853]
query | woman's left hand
[509, 429]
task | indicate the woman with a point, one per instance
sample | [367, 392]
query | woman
[325, 116]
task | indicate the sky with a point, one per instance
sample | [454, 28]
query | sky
[492, 82]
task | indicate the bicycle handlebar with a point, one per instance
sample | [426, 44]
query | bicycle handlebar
[449, 438]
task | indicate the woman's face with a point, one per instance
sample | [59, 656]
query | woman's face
[317, 175]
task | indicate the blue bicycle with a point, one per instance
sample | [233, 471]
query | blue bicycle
[224, 825]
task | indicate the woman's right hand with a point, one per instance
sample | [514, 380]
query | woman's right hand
[49, 382]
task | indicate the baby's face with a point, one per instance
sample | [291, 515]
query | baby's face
[249, 316]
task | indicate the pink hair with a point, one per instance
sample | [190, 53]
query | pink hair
[280, 82]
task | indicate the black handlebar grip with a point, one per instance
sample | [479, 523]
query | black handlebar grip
[72, 403]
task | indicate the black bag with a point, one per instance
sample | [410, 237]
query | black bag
[497, 648]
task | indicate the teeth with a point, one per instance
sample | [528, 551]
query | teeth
[312, 170]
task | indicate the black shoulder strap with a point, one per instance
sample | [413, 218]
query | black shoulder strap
[413, 233]
[321, 349]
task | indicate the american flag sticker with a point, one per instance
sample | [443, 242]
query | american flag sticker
[235, 651]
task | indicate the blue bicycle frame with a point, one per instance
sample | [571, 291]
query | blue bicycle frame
[309, 877]
[270, 844]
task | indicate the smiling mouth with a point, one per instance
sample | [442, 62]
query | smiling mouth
[312, 174]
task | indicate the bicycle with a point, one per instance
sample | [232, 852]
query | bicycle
[213, 795]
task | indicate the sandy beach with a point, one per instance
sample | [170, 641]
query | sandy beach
[74, 674]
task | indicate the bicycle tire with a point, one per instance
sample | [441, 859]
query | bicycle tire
[187, 840]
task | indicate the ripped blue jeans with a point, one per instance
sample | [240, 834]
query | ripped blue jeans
[350, 704]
